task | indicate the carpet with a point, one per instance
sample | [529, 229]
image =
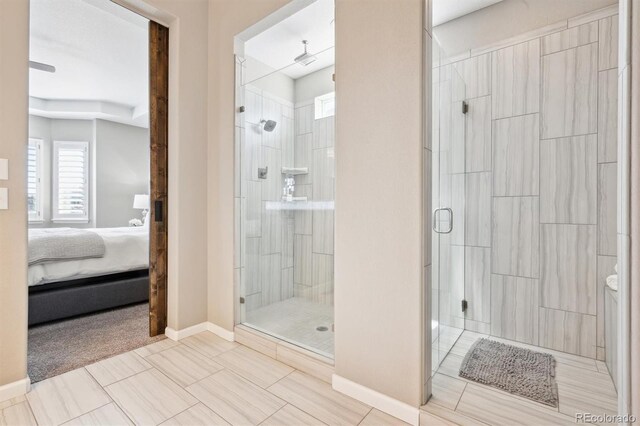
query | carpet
[62, 346]
[520, 371]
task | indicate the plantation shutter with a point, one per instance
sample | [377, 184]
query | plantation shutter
[71, 181]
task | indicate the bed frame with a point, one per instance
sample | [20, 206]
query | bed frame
[59, 300]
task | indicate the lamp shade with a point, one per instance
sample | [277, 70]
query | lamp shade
[141, 202]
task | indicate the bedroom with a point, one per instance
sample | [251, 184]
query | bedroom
[88, 183]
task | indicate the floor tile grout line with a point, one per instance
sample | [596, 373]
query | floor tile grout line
[280, 379]
[124, 378]
[166, 376]
[88, 412]
[187, 409]
[160, 351]
[365, 416]
[461, 395]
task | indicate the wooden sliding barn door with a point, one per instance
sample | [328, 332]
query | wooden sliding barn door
[158, 129]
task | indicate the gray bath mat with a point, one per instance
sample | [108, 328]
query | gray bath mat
[520, 371]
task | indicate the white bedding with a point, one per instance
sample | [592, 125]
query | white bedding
[127, 249]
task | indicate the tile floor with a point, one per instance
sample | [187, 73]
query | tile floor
[295, 320]
[584, 385]
[205, 380]
[201, 380]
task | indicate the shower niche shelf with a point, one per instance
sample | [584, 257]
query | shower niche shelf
[294, 171]
[294, 199]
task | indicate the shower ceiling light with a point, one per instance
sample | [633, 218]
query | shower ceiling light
[306, 58]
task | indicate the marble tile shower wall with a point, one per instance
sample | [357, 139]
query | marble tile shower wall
[313, 229]
[540, 178]
[282, 253]
[265, 232]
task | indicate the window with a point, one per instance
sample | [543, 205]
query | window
[70, 181]
[325, 105]
[34, 180]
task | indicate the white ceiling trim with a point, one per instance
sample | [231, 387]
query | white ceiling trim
[89, 110]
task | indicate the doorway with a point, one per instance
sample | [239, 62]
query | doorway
[537, 252]
[97, 183]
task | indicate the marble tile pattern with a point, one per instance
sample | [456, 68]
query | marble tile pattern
[108, 414]
[246, 387]
[18, 413]
[582, 387]
[516, 80]
[569, 180]
[319, 400]
[476, 74]
[478, 135]
[568, 267]
[611, 332]
[570, 38]
[235, 399]
[477, 209]
[477, 283]
[515, 240]
[608, 43]
[516, 156]
[150, 397]
[570, 92]
[62, 398]
[606, 266]
[607, 208]
[260, 227]
[184, 365]
[608, 116]
[117, 368]
[289, 415]
[514, 308]
[198, 415]
[546, 214]
[302, 259]
[568, 332]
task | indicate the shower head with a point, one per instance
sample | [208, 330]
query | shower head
[269, 125]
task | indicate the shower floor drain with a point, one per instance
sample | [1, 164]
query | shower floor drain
[321, 328]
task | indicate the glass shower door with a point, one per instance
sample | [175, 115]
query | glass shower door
[448, 195]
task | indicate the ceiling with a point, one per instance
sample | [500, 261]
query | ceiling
[100, 51]
[448, 10]
[278, 45]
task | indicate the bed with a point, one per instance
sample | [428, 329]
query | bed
[64, 288]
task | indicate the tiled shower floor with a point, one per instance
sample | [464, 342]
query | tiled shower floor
[584, 386]
[295, 320]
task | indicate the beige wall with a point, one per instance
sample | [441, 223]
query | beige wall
[507, 19]
[14, 44]
[379, 193]
[187, 215]
[226, 19]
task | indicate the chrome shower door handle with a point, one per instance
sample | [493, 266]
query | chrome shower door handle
[449, 220]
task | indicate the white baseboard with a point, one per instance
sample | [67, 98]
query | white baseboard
[221, 332]
[185, 332]
[177, 335]
[382, 402]
[14, 389]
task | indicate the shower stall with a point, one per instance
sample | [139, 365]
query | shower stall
[285, 179]
[523, 165]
